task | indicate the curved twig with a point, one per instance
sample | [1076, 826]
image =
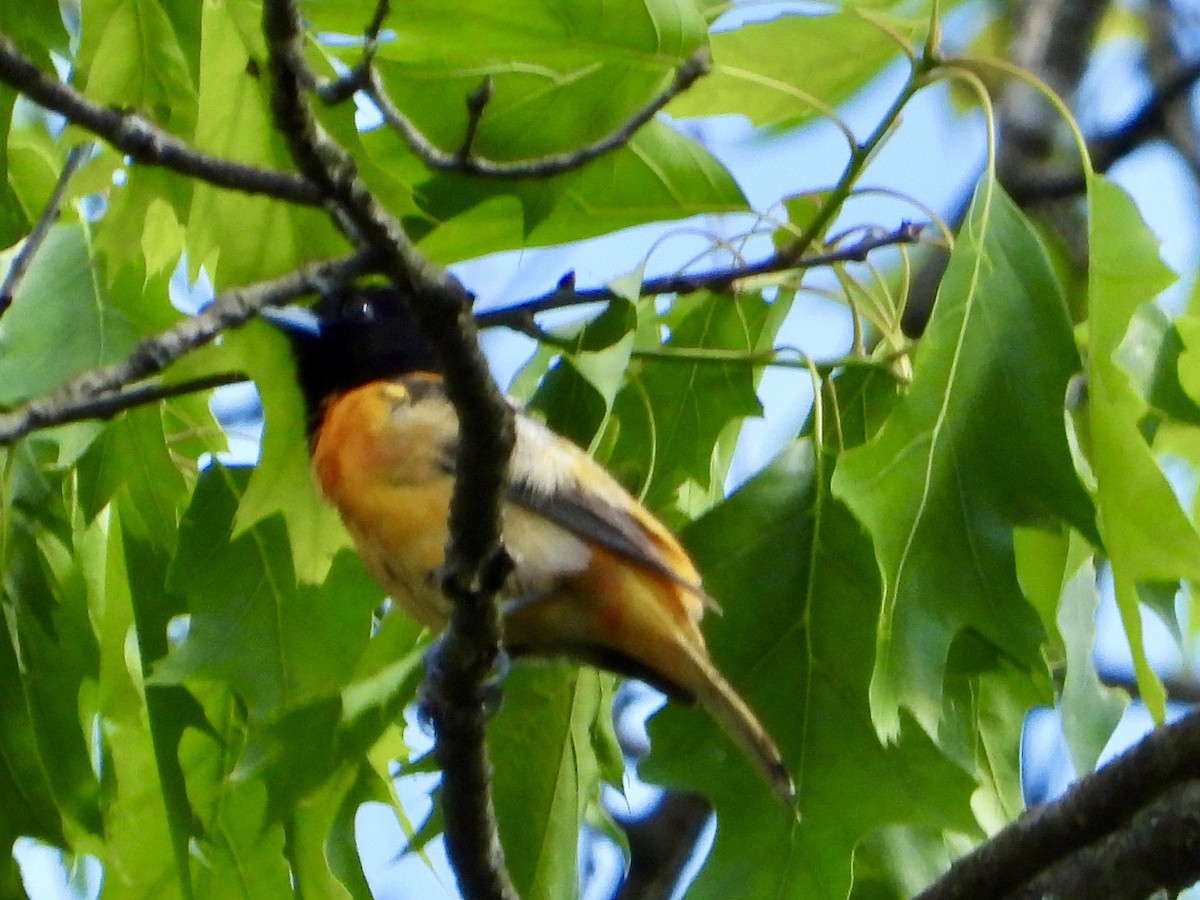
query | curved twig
[142, 141]
[519, 315]
[75, 161]
[465, 161]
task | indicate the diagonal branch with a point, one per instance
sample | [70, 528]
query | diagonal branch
[99, 394]
[82, 395]
[1097, 805]
[520, 315]
[76, 158]
[1155, 852]
[142, 141]
[475, 564]
[464, 159]
[1109, 148]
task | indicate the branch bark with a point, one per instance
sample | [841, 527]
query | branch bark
[1100, 804]
[1159, 850]
[92, 392]
[475, 560]
[520, 315]
[464, 160]
[76, 159]
[141, 140]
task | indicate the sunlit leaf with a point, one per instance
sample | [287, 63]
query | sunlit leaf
[793, 573]
[252, 628]
[130, 56]
[144, 847]
[1146, 534]
[976, 446]
[58, 304]
[547, 746]
[790, 69]
[240, 237]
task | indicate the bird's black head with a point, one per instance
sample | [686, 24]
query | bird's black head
[350, 337]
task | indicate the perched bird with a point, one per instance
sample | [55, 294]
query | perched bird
[596, 577]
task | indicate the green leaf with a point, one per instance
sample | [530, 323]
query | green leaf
[131, 57]
[546, 746]
[36, 27]
[29, 807]
[144, 846]
[572, 60]
[593, 62]
[234, 122]
[783, 72]
[297, 750]
[241, 856]
[793, 573]
[661, 175]
[1146, 534]
[131, 459]
[976, 446]
[1090, 710]
[310, 825]
[58, 304]
[13, 221]
[576, 394]
[45, 605]
[1161, 358]
[34, 163]
[170, 709]
[899, 861]
[679, 408]
[282, 482]
[986, 702]
[146, 195]
[252, 628]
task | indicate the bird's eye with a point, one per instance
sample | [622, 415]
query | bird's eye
[363, 312]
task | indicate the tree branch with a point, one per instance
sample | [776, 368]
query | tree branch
[102, 393]
[1109, 148]
[95, 391]
[661, 844]
[139, 139]
[475, 564]
[76, 159]
[1159, 849]
[465, 161]
[520, 315]
[1097, 805]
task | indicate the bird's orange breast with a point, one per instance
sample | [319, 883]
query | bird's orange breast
[381, 469]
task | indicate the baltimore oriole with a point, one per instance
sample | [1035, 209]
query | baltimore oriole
[596, 577]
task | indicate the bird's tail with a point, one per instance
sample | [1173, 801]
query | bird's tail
[737, 720]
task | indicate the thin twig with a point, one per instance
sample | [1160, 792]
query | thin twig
[475, 560]
[543, 167]
[477, 101]
[138, 138]
[519, 315]
[76, 159]
[144, 393]
[90, 390]
[341, 89]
